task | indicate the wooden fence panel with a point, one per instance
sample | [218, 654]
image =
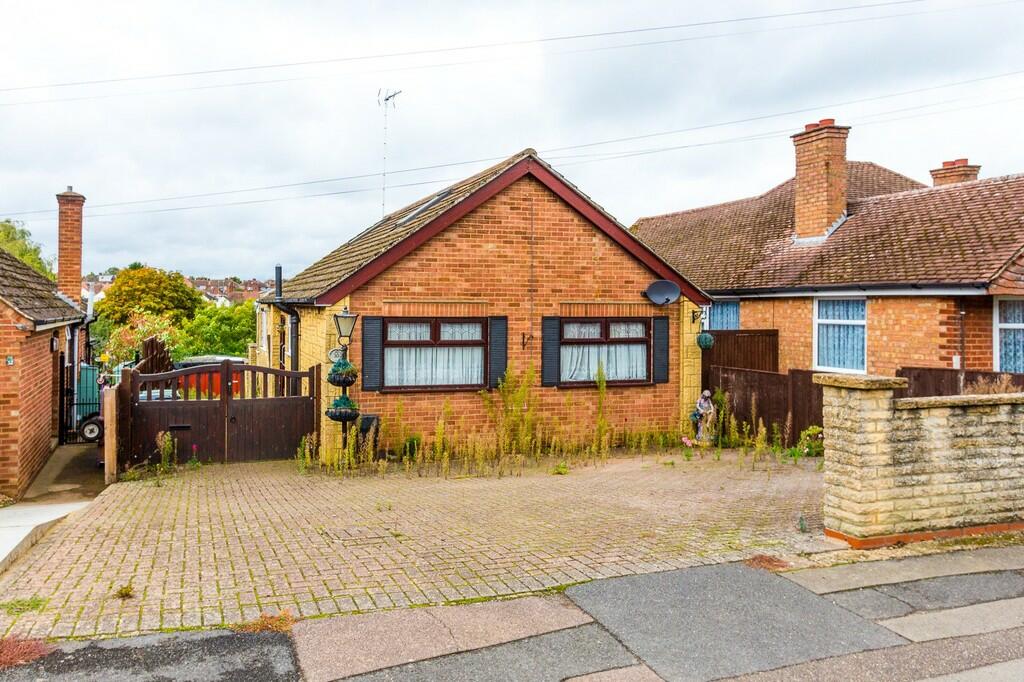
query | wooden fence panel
[805, 402]
[741, 348]
[937, 381]
[772, 397]
[754, 394]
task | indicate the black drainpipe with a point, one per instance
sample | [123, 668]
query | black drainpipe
[293, 319]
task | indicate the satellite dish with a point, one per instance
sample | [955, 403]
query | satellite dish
[662, 292]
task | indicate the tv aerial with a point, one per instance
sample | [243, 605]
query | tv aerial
[385, 99]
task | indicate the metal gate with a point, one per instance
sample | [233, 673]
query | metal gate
[229, 412]
[78, 400]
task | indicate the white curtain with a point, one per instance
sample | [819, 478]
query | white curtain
[582, 330]
[621, 361]
[434, 366]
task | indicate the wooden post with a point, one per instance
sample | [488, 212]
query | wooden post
[110, 435]
[225, 401]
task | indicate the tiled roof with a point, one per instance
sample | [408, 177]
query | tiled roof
[391, 229]
[899, 232]
[32, 295]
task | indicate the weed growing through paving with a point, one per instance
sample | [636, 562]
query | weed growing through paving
[516, 437]
[560, 469]
[16, 607]
[126, 591]
[266, 622]
[16, 650]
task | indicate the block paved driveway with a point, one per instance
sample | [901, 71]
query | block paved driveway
[219, 545]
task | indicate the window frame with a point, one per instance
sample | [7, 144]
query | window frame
[605, 340]
[997, 326]
[853, 323]
[435, 340]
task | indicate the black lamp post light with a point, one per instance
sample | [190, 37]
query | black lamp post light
[343, 374]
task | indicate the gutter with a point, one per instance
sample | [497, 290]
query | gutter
[936, 289]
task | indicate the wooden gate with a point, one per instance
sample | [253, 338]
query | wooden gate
[222, 413]
[742, 348]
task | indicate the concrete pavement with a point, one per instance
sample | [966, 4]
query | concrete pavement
[954, 616]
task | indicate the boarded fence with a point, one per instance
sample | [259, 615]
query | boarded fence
[743, 348]
[771, 397]
[932, 381]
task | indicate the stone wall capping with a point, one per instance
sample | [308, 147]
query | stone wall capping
[957, 401]
[864, 382]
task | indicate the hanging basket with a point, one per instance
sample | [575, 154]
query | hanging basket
[342, 414]
[341, 379]
[342, 373]
[705, 341]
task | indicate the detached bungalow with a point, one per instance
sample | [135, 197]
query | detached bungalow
[511, 267]
[862, 269]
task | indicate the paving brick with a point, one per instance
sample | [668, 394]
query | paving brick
[226, 543]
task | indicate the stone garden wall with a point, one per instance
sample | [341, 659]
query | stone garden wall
[899, 470]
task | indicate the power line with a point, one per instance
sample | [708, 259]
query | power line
[549, 150]
[610, 156]
[459, 48]
[273, 81]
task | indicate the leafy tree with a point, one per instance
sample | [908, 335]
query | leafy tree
[220, 331]
[126, 339]
[135, 265]
[149, 290]
[18, 242]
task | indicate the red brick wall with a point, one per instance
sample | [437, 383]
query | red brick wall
[523, 254]
[908, 331]
[36, 398]
[792, 317]
[26, 403]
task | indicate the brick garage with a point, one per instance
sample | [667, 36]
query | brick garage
[525, 246]
[36, 322]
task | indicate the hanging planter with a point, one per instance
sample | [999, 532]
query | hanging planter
[344, 409]
[705, 341]
[342, 373]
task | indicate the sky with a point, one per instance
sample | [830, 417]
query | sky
[710, 103]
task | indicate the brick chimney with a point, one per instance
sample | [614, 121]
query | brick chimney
[820, 195]
[69, 244]
[953, 172]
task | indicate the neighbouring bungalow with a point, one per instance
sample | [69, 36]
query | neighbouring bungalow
[41, 321]
[862, 269]
[512, 267]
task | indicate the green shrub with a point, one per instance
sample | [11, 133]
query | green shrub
[812, 442]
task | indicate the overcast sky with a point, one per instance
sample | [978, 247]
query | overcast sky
[146, 139]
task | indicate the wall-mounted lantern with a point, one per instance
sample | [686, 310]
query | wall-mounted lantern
[345, 323]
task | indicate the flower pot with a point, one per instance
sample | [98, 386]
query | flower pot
[341, 379]
[342, 414]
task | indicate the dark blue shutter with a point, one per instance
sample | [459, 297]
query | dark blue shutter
[373, 353]
[550, 351]
[661, 346]
[497, 350]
